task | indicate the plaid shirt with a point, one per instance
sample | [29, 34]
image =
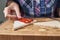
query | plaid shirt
[45, 7]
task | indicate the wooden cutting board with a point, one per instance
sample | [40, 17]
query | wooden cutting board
[6, 28]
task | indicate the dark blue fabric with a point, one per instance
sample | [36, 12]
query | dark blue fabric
[42, 9]
[58, 3]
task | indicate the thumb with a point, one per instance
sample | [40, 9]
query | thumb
[18, 13]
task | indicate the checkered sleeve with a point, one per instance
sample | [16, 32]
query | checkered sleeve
[51, 3]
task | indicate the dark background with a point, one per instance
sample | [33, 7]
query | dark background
[2, 5]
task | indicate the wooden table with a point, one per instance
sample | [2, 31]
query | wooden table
[31, 32]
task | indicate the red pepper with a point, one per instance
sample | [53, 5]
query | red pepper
[26, 20]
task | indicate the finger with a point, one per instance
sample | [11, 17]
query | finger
[9, 16]
[17, 12]
[6, 11]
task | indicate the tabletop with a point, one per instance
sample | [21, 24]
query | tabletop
[6, 28]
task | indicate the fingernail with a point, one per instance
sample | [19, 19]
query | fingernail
[19, 17]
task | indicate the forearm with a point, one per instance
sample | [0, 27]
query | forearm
[9, 2]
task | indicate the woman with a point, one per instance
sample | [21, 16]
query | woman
[30, 8]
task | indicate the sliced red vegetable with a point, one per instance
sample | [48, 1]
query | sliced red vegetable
[26, 20]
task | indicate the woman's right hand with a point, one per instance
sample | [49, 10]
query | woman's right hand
[12, 11]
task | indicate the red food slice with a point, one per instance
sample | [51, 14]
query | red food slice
[26, 20]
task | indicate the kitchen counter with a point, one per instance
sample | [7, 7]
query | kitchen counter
[31, 31]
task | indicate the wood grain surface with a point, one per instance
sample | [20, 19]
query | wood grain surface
[31, 32]
[6, 28]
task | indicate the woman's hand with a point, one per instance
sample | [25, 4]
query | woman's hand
[12, 11]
